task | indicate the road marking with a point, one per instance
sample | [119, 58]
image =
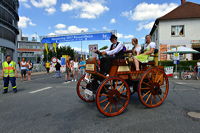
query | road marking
[181, 83]
[194, 114]
[46, 88]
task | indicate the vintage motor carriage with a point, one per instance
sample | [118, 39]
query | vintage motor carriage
[112, 92]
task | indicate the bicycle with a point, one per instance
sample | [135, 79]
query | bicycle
[190, 74]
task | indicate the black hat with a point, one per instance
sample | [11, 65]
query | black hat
[113, 37]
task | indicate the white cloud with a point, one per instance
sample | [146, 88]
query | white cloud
[71, 29]
[31, 36]
[43, 3]
[119, 35]
[60, 26]
[47, 4]
[112, 21]
[104, 28]
[51, 34]
[87, 9]
[24, 22]
[50, 10]
[128, 36]
[26, 5]
[22, 0]
[145, 11]
[145, 26]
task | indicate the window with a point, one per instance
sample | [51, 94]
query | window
[177, 30]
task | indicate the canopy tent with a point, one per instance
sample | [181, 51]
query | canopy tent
[181, 50]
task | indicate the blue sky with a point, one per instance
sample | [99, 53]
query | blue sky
[131, 18]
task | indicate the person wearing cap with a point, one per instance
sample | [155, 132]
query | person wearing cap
[115, 51]
[9, 73]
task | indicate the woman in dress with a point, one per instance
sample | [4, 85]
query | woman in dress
[136, 51]
[148, 50]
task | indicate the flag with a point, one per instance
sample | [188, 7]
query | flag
[54, 46]
[46, 47]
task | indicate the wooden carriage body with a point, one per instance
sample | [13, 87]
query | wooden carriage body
[151, 84]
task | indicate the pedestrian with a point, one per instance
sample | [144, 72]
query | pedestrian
[23, 65]
[29, 69]
[9, 73]
[68, 71]
[82, 66]
[47, 66]
[72, 69]
[75, 70]
[198, 68]
[58, 66]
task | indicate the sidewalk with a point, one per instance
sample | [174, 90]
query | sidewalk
[33, 73]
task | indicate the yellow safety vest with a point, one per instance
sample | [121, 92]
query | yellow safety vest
[9, 69]
[47, 65]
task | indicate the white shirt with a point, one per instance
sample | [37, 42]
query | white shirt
[138, 48]
[23, 63]
[75, 64]
[115, 50]
[198, 64]
[152, 45]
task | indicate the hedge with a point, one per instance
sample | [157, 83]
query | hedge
[182, 66]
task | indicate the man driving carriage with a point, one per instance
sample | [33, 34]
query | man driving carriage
[115, 51]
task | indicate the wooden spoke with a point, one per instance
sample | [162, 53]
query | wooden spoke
[146, 84]
[148, 98]
[123, 97]
[103, 100]
[116, 84]
[104, 94]
[111, 84]
[147, 88]
[159, 78]
[110, 108]
[156, 75]
[151, 100]
[106, 106]
[105, 88]
[123, 91]
[154, 98]
[116, 107]
[146, 94]
[120, 87]
[159, 97]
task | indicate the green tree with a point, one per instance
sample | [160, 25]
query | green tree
[60, 51]
[104, 47]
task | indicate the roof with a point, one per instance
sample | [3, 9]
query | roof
[185, 11]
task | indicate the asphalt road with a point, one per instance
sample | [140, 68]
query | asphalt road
[48, 105]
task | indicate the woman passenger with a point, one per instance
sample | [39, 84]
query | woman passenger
[148, 50]
[136, 51]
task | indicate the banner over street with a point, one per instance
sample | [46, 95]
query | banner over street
[77, 37]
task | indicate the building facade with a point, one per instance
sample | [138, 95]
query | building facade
[179, 27]
[8, 28]
[30, 49]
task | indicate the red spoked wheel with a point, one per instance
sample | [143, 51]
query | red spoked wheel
[112, 96]
[82, 85]
[153, 87]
